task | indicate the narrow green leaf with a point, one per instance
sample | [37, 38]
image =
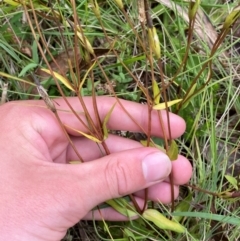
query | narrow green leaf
[172, 152]
[156, 92]
[162, 222]
[105, 121]
[183, 206]
[162, 106]
[185, 104]
[233, 181]
[9, 50]
[15, 78]
[122, 206]
[27, 68]
[35, 56]
[217, 217]
[129, 235]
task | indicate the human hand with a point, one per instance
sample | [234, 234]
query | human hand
[42, 196]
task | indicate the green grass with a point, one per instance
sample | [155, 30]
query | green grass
[211, 141]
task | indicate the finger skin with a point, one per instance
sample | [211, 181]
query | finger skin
[119, 120]
[44, 121]
[160, 192]
[181, 168]
[89, 150]
[115, 175]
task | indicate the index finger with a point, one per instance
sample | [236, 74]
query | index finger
[136, 120]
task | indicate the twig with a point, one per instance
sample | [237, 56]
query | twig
[4, 93]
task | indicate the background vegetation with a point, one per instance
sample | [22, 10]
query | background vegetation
[150, 52]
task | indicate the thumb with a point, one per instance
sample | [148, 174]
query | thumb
[119, 174]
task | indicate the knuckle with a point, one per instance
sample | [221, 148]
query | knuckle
[116, 175]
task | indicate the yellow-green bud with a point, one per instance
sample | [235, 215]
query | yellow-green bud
[154, 42]
[162, 222]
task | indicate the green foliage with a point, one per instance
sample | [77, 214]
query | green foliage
[206, 83]
[172, 152]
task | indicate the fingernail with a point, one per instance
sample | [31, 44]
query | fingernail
[156, 166]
